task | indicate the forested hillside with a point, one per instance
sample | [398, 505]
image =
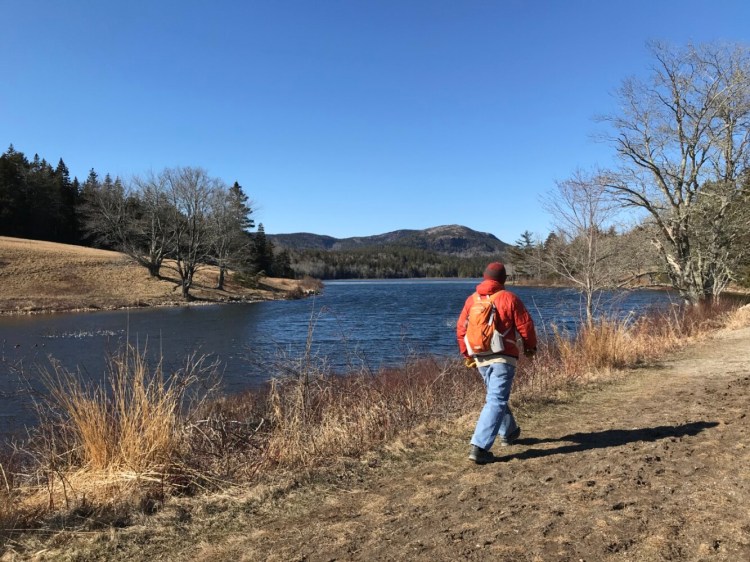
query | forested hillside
[385, 262]
[37, 200]
[442, 251]
[453, 240]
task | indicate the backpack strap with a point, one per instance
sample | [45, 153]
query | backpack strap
[494, 306]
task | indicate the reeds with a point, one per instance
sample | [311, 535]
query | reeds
[11, 516]
[310, 415]
[611, 344]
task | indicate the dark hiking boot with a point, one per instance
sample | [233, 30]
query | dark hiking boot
[480, 456]
[511, 438]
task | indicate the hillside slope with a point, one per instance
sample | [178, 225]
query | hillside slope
[38, 276]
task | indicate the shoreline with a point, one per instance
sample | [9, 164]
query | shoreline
[135, 306]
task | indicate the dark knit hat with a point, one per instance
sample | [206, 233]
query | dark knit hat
[495, 271]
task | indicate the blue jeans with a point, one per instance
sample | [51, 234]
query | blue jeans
[496, 417]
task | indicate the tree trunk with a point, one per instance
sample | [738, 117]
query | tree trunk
[222, 273]
[187, 282]
[590, 309]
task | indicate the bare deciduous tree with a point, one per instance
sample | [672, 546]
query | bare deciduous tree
[683, 137]
[585, 246]
[181, 213]
[189, 192]
[135, 221]
[108, 213]
[152, 230]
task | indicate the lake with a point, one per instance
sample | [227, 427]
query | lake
[354, 325]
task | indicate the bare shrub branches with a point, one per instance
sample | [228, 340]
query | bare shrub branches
[585, 249]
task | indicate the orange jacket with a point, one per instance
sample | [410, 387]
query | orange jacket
[512, 317]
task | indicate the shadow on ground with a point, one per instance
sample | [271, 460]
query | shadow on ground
[603, 439]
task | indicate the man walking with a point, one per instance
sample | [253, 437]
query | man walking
[496, 365]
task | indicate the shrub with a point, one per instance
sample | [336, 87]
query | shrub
[129, 423]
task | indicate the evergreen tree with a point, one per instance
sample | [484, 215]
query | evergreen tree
[41, 202]
[521, 255]
[241, 207]
[282, 266]
[230, 222]
[13, 171]
[86, 201]
[68, 230]
[262, 254]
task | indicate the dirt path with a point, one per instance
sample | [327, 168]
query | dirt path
[654, 467]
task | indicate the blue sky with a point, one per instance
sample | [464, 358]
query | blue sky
[346, 118]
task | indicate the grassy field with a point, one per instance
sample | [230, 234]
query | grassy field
[38, 276]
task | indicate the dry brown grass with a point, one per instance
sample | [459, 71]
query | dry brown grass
[11, 517]
[611, 345]
[38, 276]
[104, 452]
[129, 424]
[319, 416]
[739, 319]
[308, 416]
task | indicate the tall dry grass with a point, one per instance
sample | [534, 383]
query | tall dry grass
[130, 422]
[319, 415]
[101, 451]
[612, 344]
[11, 517]
[316, 415]
[308, 415]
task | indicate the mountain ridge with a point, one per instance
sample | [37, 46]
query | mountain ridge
[451, 240]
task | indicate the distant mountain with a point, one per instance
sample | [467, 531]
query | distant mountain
[452, 240]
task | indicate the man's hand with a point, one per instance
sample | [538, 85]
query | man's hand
[529, 352]
[470, 362]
